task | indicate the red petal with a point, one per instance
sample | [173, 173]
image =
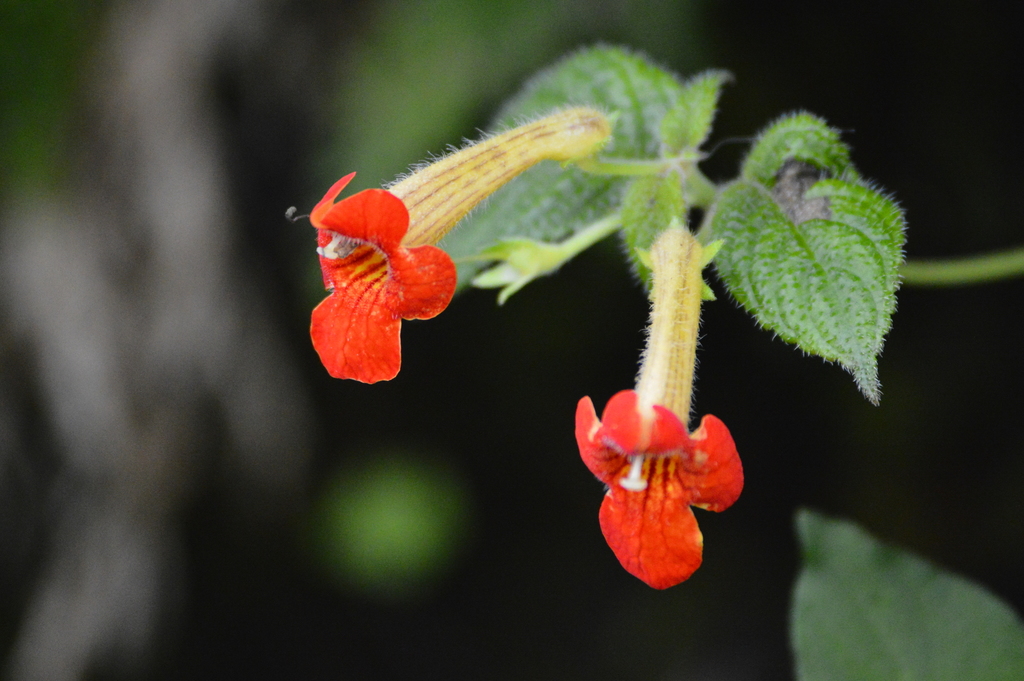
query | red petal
[319, 210]
[602, 462]
[426, 278]
[668, 434]
[634, 433]
[653, 533]
[715, 464]
[373, 215]
[621, 423]
[354, 330]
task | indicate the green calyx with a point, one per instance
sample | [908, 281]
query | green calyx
[523, 260]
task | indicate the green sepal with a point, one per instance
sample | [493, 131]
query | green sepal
[688, 124]
[523, 260]
[866, 611]
[801, 137]
[826, 284]
[548, 202]
[709, 251]
[651, 204]
[707, 257]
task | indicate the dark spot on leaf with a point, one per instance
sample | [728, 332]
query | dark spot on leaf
[791, 183]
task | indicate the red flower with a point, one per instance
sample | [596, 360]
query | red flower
[655, 471]
[374, 282]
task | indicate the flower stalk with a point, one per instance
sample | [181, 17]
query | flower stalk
[698, 190]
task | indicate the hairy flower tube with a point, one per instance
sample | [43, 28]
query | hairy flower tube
[376, 247]
[640, 448]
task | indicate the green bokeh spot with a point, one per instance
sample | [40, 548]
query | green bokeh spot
[393, 526]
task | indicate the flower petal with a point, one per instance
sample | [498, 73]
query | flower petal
[354, 330]
[319, 210]
[426, 277]
[626, 426]
[715, 466]
[653, 533]
[373, 215]
[602, 462]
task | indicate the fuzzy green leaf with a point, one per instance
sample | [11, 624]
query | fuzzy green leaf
[818, 267]
[548, 202]
[650, 204]
[688, 124]
[866, 611]
[801, 137]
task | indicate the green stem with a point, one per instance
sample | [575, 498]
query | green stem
[976, 269]
[590, 235]
[699, 190]
[635, 166]
[623, 166]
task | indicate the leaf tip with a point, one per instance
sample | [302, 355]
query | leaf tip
[865, 375]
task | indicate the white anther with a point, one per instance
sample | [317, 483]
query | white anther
[634, 482]
[339, 247]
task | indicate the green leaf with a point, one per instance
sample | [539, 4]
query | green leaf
[549, 203]
[826, 284]
[801, 137]
[866, 611]
[811, 251]
[609, 78]
[688, 124]
[650, 204]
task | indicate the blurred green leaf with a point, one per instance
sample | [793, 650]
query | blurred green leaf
[866, 611]
[688, 124]
[549, 203]
[813, 259]
[416, 75]
[650, 204]
[42, 48]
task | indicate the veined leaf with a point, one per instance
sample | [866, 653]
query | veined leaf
[811, 251]
[865, 611]
[550, 203]
[688, 124]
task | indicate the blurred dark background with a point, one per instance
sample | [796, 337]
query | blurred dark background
[185, 493]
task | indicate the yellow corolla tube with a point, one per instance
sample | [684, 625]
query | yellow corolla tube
[442, 193]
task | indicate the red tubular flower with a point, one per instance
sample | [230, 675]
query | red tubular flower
[655, 471]
[377, 248]
[374, 282]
